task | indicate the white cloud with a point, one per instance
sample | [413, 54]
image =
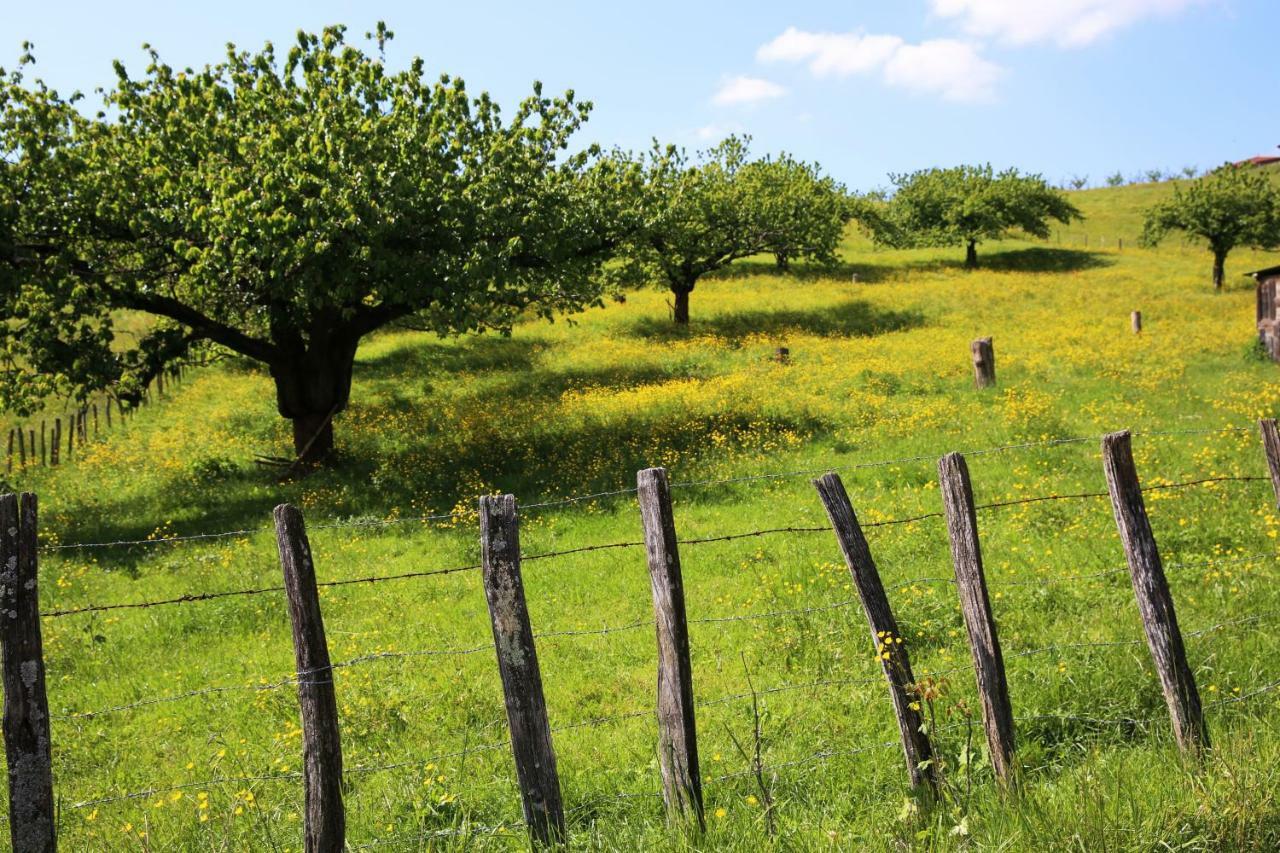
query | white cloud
[747, 90]
[1069, 23]
[840, 54]
[952, 69]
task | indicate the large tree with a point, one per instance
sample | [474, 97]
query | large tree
[1229, 207]
[965, 205]
[701, 214]
[282, 209]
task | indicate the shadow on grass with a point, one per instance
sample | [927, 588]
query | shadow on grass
[853, 318]
[1033, 259]
[498, 424]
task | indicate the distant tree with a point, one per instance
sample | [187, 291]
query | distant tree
[1155, 176]
[702, 214]
[282, 210]
[965, 205]
[1229, 207]
[809, 209]
[1115, 180]
[1190, 172]
[1079, 182]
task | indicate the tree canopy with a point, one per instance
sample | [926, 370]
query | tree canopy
[700, 214]
[1229, 207]
[965, 205]
[282, 208]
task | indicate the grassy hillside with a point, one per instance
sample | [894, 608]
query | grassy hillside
[879, 370]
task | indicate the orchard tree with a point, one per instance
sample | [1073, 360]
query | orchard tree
[1229, 207]
[968, 204]
[810, 208]
[702, 214]
[283, 209]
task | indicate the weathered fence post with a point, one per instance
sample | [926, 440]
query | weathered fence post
[95, 420]
[1151, 589]
[677, 733]
[971, 582]
[9, 464]
[55, 441]
[26, 707]
[535, 757]
[31, 436]
[325, 819]
[1135, 321]
[890, 650]
[22, 448]
[984, 362]
[1271, 447]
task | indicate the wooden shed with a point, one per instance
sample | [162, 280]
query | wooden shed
[1268, 288]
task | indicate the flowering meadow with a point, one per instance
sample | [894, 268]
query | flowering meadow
[176, 728]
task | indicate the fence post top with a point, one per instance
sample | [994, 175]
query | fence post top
[954, 459]
[657, 472]
[286, 511]
[1113, 438]
[497, 504]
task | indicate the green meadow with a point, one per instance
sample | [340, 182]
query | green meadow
[176, 726]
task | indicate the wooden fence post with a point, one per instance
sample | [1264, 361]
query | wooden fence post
[31, 436]
[22, 448]
[984, 642]
[1151, 589]
[26, 706]
[888, 641]
[55, 441]
[1271, 447]
[95, 420]
[984, 362]
[325, 818]
[9, 463]
[535, 758]
[677, 732]
[44, 444]
[1135, 321]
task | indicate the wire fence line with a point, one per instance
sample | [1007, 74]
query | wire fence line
[594, 496]
[208, 596]
[648, 623]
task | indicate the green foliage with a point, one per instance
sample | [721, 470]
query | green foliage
[965, 205]
[1230, 207]
[1115, 180]
[283, 208]
[701, 214]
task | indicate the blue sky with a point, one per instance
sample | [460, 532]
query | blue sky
[1062, 87]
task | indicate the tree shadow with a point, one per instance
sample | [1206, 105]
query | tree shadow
[1033, 259]
[853, 318]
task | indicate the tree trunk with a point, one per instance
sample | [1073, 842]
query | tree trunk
[681, 311]
[311, 388]
[782, 261]
[971, 255]
[1219, 269]
[313, 437]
